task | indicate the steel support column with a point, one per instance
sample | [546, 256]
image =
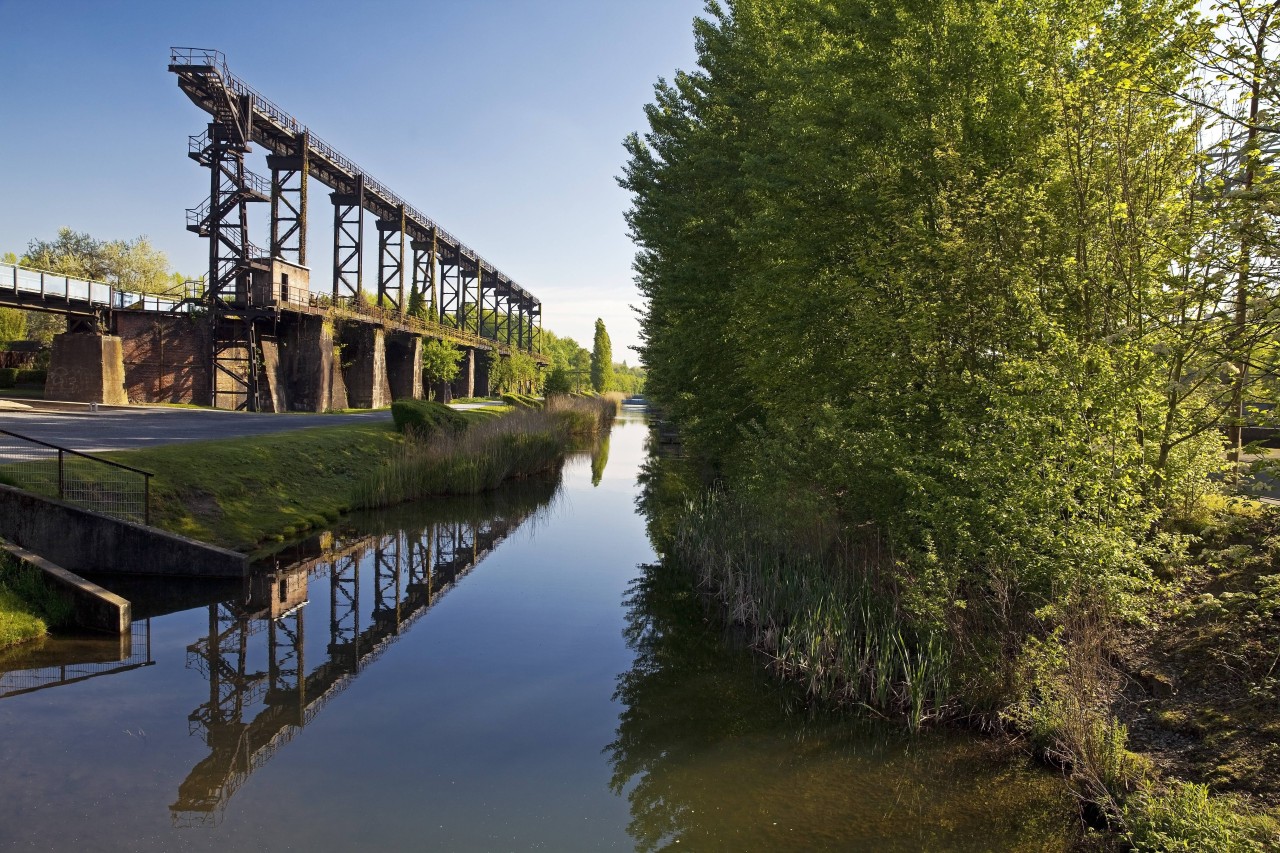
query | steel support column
[289, 179]
[391, 246]
[424, 272]
[348, 242]
[451, 293]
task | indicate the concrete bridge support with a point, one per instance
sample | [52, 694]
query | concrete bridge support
[404, 366]
[364, 366]
[87, 368]
[480, 383]
[308, 365]
[166, 358]
[464, 385]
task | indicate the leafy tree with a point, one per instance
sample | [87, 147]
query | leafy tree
[13, 325]
[440, 362]
[601, 360]
[558, 381]
[132, 265]
[946, 276]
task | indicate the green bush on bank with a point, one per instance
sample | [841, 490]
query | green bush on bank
[32, 377]
[8, 377]
[522, 401]
[425, 417]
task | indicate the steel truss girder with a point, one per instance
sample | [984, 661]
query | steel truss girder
[348, 242]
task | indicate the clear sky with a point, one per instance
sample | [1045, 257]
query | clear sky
[502, 120]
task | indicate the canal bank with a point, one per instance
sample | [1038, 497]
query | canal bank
[556, 690]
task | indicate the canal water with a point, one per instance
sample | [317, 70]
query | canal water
[508, 672]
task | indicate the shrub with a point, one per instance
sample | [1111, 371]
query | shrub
[32, 377]
[522, 401]
[425, 417]
[8, 377]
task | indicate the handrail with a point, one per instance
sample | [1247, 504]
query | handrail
[62, 481]
[95, 293]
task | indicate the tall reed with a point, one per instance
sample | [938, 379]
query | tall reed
[824, 619]
[477, 459]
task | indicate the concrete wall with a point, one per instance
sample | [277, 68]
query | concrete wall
[87, 369]
[166, 359]
[87, 542]
[404, 366]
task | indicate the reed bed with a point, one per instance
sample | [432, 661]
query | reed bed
[823, 619]
[584, 417]
[478, 458]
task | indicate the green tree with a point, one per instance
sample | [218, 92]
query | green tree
[440, 363]
[13, 325]
[601, 360]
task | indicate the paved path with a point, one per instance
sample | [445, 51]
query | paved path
[122, 429]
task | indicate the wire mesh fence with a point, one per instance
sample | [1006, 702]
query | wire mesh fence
[81, 479]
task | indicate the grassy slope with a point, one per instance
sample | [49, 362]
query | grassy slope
[248, 493]
[245, 492]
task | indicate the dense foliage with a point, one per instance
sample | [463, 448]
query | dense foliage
[961, 297]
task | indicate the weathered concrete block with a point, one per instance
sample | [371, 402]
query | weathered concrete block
[364, 366]
[307, 363]
[404, 366]
[87, 369]
[464, 385]
[277, 396]
[480, 384]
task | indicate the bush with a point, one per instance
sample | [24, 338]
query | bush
[32, 377]
[522, 401]
[425, 417]
[8, 377]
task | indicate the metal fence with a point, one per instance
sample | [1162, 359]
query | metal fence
[78, 478]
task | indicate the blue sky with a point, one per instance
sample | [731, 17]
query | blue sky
[502, 120]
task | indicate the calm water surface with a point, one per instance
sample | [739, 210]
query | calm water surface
[504, 673]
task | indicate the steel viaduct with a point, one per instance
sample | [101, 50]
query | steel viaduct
[254, 334]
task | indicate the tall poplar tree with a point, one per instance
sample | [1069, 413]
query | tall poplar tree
[601, 360]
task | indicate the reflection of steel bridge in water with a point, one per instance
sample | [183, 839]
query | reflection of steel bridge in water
[254, 654]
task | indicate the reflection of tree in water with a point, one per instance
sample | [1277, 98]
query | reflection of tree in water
[682, 694]
[712, 753]
[599, 459]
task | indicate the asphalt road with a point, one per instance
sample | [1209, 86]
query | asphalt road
[118, 429]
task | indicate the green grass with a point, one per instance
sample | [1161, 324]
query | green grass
[248, 493]
[28, 606]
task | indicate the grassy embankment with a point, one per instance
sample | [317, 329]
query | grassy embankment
[1167, 723]
[251, 493]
